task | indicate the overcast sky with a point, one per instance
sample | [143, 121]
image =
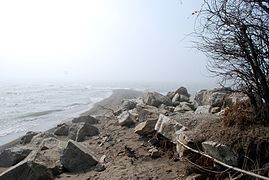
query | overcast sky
[99, 40]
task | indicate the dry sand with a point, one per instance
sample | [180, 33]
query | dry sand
[112, 142]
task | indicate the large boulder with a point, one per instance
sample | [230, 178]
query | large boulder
[146, 112]
[214, 98]
[41, 165]
[28, 169]
[176, 98]
[183, 91]
[128, 104]
[85, 119]
[203, 109]
[220, 152]
[77, 158]
[86, 130]
[146, 128]
[37, 140]
[79, 131]
[184, 98]
[168, 127]
[62, 130]
[126, 119]
[235, 98]
[12, 156]
[170, 94]
[186, 138]
[183, 107]
[73, 129]
[166, 109]
[28, 137]
[49, 143]
[180, 95]
[156, 99]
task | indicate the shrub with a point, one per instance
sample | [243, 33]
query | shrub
[239, 114]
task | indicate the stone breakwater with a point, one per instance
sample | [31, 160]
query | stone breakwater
[94, 145]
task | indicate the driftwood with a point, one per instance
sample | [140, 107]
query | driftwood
[224, 164]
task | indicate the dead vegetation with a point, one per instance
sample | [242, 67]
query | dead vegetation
[240, 114]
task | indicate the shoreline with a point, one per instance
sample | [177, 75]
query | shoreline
[149, 135]
[113, 100]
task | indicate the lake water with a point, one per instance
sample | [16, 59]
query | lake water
[40, 106]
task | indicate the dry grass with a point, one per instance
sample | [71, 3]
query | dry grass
[241, 114]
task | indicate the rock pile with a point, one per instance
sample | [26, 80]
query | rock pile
[178, 119]
[173, 116]
[46, 155]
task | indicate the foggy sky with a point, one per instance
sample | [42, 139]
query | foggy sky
[99, 40]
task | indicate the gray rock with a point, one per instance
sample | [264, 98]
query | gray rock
[128, 104]
[176, 98]
[220, 152]
[134, 113]
[99, 168]
[217, 99]
[28, 137]
[187, 106]
[235, 98]
[37, 140]
[85, 119]
[154, 153]
[43, 165]
[156, 99]
[118, 111]
[146, 112]
[176, 103]
[79, 131]
[183, 107]
[170, 95]
[12, 156]
[203, 109]
[214, 98]
[184, 98]
[168, 127]
[77, 158]
[62, 130]
[73, 130]
[146, 128]
[102, 159]
[163, 108]
[179, 109]
[183, 91]
[126, 119]
[215, 110]
[49, 143]
[86, 130]
[186, 138]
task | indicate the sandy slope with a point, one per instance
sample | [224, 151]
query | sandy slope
[119, 164]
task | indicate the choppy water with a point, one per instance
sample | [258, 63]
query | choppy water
[41, 106]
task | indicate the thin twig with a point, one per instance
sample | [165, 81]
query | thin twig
[205, 169]
[224, 164]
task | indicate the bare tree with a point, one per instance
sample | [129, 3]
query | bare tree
[234, 35]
